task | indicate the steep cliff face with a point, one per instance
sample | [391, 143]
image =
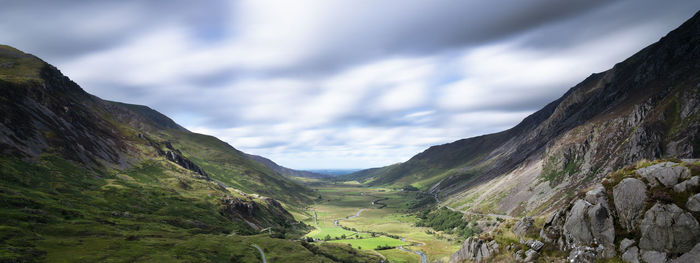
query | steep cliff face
[645, 107]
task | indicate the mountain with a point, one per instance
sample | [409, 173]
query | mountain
[85, 179]
[284, 170]
[645, 107]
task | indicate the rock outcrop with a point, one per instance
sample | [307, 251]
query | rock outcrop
[666, 173]
[475, 250]
[586, 228]
[521, 227]
[629, 196]
[667, 228]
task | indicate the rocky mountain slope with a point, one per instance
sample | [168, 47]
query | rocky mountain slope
[646, 212]
[284, 170]
[645, 107]
[84, 179]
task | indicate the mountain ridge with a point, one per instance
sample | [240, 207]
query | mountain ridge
[608, 120]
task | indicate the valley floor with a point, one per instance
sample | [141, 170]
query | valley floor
[368, 218]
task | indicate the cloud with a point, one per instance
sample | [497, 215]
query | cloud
[337, 84]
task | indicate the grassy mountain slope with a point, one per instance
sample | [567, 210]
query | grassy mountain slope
[284, 170]
[98, 181]
[644, 107]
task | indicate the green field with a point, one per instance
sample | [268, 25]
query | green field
[388, 217]
[372, 242]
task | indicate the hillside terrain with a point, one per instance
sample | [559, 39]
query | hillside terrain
[98, 181]
[284, 170]
[646, 107]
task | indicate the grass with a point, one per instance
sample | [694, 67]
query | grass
[341, 200]
[372, 242]
[53, 210]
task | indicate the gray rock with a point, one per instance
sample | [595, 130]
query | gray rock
[650, 256]
[521, 227]
[474, 249]
[602, 227]
[667, 173]
[693, 203]
[597, 195]
[631, 255]
[576, 226]
[687, 184]
[629, 197]
[582, 254]
[667, 228]
[692, 256]
[536, 245]
[625, 243]
[531, 255]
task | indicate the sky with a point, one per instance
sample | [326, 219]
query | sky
[337, 84]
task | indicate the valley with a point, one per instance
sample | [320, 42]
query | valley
[349, 213]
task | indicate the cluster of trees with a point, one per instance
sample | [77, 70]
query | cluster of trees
[448, 221]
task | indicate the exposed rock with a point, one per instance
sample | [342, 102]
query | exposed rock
[602, 227]
[582, 254]
[625, 243]
[233, 205]
[576, 228]
[530, 255]
[667, 228]
[693, 203]
[553, 227]
[474, 249]
[629, 196]
[631, 255]
[597, 195]
[521, 227]
[667, 173]
[687, 184]
[692, 256]
[650, 256]
[536, 245]
[177, 157]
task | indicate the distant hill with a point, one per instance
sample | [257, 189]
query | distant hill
[284, 170]
[646, 107]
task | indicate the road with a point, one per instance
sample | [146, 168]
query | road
[261, 252]
[472, 213]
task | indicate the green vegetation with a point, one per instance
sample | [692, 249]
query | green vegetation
[450, 222]
[552, 174]
[16, 66]
[378, 243]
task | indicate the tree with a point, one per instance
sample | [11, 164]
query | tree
[328, 237]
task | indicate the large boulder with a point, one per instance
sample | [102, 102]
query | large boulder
[666, 173]
[667, 228]
[687, 184]
[631, 255]
[692, 256]
[651, 256]
[521, 227]
[693, 203]
[475, 250]
[629, 196]
[576, 228]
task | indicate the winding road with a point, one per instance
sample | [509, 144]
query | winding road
[261, 252]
